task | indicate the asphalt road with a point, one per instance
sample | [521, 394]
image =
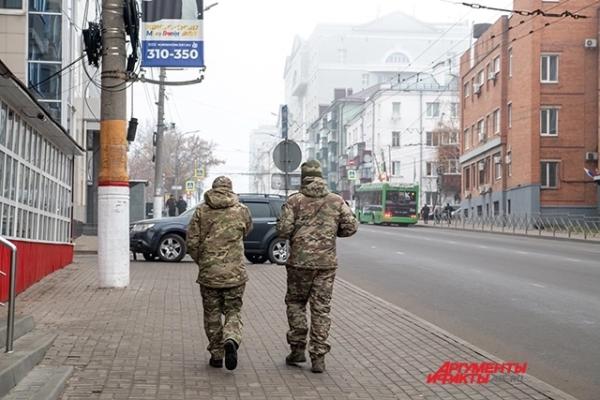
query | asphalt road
[522, 299]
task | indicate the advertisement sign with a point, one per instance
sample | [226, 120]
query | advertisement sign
[172, 34]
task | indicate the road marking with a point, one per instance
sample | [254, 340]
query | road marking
[400, 253]
[538, 285]
[373, 247]
[483, 247]
[523, 252]
[573, 259]
[452, 242]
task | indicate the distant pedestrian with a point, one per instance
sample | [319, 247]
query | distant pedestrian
[425, 213]
[181, 205]
[171, 206]
[216, 243]
[448, 211]
[311, 220]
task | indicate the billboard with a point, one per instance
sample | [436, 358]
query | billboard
[172, 33]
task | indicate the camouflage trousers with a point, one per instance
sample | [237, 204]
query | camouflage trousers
[218, 303]
[314, 287]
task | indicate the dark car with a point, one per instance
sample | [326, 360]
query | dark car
[164, 238]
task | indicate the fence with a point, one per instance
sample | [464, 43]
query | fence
[565, 226]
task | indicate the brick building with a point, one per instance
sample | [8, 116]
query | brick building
[529, 118]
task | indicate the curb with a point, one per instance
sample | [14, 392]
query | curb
[562, 239]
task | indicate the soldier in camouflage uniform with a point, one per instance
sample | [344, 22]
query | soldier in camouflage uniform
[216, 242]
[311, 220]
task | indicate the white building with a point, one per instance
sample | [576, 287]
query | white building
[396, 129]
[338, 60]
[262, 142]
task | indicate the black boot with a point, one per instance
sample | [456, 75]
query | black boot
[318, 364]
[215, 362]
[297, 355]
[230, 354]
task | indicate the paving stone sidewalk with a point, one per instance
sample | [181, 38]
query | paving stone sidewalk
[147, 342]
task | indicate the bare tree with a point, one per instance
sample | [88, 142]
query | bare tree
[182, 154]
[445, 136]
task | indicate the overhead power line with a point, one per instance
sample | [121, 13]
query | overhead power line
[525, 13]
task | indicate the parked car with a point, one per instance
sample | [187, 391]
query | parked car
[164, 238]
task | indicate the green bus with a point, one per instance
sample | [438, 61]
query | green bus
[383, 203]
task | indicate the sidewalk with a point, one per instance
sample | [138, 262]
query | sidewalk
[147, 342]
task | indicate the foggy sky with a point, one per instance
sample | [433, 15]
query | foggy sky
[246, 43]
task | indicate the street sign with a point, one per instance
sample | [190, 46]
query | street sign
[278, 181]
[176, 187]
[284, 121]
[172, 35]
[352, 174]
[287, 156]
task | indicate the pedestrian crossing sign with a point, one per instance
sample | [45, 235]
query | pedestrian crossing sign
[351, 174]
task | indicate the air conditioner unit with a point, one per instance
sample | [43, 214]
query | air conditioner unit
[590, 43]
[497, 160]
[507, 159]
[591, 156]
[477, 88]
[481, 166]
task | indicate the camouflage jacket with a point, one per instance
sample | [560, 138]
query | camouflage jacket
[312, 220]
[215, 239]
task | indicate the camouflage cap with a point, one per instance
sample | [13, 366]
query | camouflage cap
[222, 182]
[311, 168]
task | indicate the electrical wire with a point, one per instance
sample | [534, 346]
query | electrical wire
[525, 13]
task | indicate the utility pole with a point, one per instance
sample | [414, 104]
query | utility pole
[113, 184]
[160, 129]
[421, 144]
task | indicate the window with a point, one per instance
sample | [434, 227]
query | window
[259, 210]
[365, 80]
[342, 53]
[430, 139]
[395, 139]
[480, 78]
[496, 65]
[482, 166]
[454, 110]
[430, 169]
[467, 175]
[510, 60]
[509, 114]
[496, 121]
[453, 166]
[549, 174]
[433, 110]
[397, 58]
[11, 4]
[509, 163]
[549, 68]
[481, 130]
[497, 166]
[395, 110]
[466, 138]
[466, 90]
[549, 121]
[508, 206]
[490, 71]
[395, 168]
[479, 211]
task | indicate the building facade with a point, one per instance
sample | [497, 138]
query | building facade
[262, 142]
[338, 60]
[403, 135]
[41, 39]
[36, 184]
[530, 115]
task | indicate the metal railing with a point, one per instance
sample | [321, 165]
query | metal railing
[10, 322]
[564, 225]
